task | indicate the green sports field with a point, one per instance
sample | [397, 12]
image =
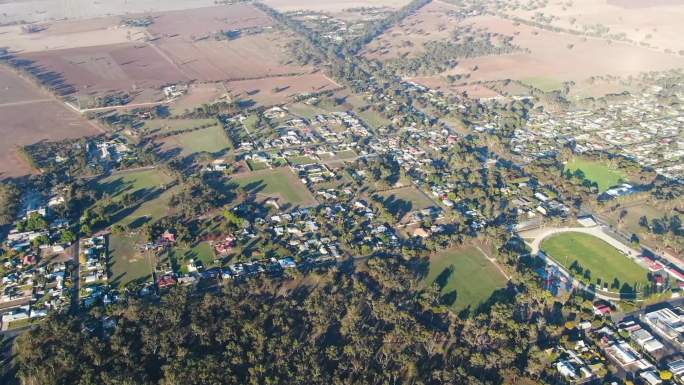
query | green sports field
[128, 262]
[465, 276]
[280, 183]
[598, 172]
[603, 261]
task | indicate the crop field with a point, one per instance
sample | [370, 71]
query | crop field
[278, 90]
[598, 172]
[331, 5]
[128, 263]
[603, 262]
[466, 278]
[100, 70]
[278, 183]
[211, 140]
[405, 200]
[28, 116]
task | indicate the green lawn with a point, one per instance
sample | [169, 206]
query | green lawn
[543, 83]
[256, 165]
[374, 119]
[299, 160]
[406, 200]
[604, 262]
[159, 126]
[128, 263]
[132, 182]
[147, 189]
[346, 154]
[277, 183]
[465, 276]
[200, 252]
[212, 140]
[305, 110]
[598, 172]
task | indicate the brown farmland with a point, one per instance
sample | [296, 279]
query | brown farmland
[34, 118]
[100, 70]
[251, 56]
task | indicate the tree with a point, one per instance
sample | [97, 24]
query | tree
[67, 237]
[665, 375]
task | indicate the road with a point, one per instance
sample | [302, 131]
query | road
[76, 277]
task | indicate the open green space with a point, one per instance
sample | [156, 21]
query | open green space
[465, 276]
[543, 83]
[128, 262]
[373, 118]
[161, 126]
[279, 183]
[212, 140]
[200, 252]
[626, 218]
[345, 154]
[598, 172]
[594, 261]
[147, 190]
[302, 159]
[305, 110]
[133, 182]
[405, 200]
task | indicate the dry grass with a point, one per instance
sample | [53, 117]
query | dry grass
[278, 90]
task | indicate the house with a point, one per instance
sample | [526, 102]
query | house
[421, 232]
[601, 309]
[287, 263]
[168, 237]
[676, 367]
[166, 280]
[651, 377]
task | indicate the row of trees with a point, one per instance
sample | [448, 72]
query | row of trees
[372, 326]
